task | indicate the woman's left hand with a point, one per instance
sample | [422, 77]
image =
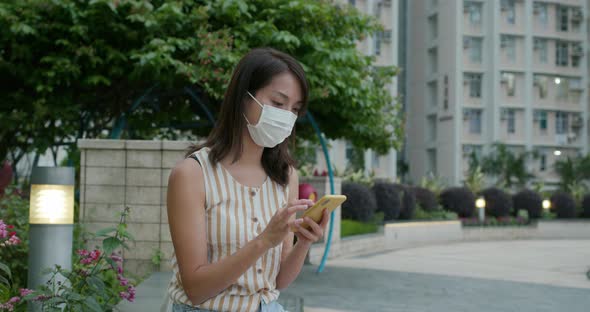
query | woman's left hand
[315, 231]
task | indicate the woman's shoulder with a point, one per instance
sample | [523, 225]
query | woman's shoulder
[187, 170]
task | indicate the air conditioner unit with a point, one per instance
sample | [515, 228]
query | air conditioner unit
[386, 36]
[561, 139]
[571, 137]
[577, 122]
[577, 15]
[577, 49]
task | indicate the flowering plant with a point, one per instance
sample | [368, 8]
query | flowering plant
[8, 238]
[96, 282]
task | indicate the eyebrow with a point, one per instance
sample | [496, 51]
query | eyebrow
[284, 96]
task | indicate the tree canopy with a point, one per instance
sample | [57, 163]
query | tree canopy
[71, 68]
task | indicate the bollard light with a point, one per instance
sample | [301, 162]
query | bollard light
[546, 204]
[51, 218]
[480, 204]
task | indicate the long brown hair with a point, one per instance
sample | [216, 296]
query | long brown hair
[254, 71]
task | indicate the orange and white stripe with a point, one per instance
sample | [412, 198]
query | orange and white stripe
[235, 215]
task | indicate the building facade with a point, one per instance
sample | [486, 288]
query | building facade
[495, 71]
[384, 46]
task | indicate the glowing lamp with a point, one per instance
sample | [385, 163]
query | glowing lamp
[546, 204]
[480, 204]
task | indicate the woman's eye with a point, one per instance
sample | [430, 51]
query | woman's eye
[296, 110]
[277, 104]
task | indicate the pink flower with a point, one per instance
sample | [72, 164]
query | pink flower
[82, 252]
[120, 269]
[13, 240]
[25, 291]
[123, 281]
[86, 260]
[116, 258]
[41, 298]
[95, 254]
[14, 300]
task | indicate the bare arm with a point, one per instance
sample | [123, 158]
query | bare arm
[293, 257]
[186, 215]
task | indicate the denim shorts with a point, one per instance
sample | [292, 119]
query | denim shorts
[273, 306]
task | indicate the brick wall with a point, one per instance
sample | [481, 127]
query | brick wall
[119, 173]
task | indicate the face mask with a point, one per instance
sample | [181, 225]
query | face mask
[274, 125]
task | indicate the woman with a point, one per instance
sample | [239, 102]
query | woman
[232, 202]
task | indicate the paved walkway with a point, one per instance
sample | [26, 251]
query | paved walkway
[482, 276]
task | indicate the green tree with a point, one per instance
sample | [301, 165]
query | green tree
[508, 167]
[71, 68]
[573, 171]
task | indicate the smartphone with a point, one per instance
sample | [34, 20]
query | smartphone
[329, 202]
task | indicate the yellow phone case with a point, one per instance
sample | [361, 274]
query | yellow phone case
[329, 202]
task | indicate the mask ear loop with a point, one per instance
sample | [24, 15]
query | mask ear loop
[250, 94]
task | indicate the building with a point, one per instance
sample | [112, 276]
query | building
[486, 71]
[385, 47]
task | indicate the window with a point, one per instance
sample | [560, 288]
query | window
[542, 162]
[433, 93]
[541, 46]
[474, 81]
[562, 18]
[473, 116]
[542, 82]
[474, 10]
[509, 80]
[431, 128]
[509, 7]
[433, 25]
[431, 161]
[378, 36]
[433, 60]
[541, 118]
[561, 123]
[562, 85]
[508, 43]
[510, 120]
[540, 9]
[561, 53]
[475, 49]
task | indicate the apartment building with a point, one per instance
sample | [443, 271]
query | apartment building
[384, 46]
[486, 71]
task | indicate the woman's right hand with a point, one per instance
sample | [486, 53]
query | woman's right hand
[281, 223]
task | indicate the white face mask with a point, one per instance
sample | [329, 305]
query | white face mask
[274, 125]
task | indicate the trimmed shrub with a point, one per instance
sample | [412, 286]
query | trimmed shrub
[459, 200]
[586, 206]
[563, 204]
[498, 202]
[389, 200]
[530, 201]
[408, 202]
[360, 205]
[426, 199]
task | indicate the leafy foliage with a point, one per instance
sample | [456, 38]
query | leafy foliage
[360, 205]
[389, 200]
[352, 227]
[14, 210]
[572, 171]
[408, 202]
[508, 167]
[426, 199]
[529, 201]
[71, 68]
[475, 180]
[498, 202]
[459, 200]
[433, 183]
[586, 206]
[438, 214]
[563, 205]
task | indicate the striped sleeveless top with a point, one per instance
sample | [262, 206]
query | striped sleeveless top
[236, 214]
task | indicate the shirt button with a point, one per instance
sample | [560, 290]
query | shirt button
[254, 219]
[252, 193]
[259, 271]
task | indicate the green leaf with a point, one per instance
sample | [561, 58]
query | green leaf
[105, 231]
[109, 244]
[91, 303]
[95, 282]
[5, 269]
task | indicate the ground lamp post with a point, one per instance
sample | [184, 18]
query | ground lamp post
[51, 219]
[480, 204]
